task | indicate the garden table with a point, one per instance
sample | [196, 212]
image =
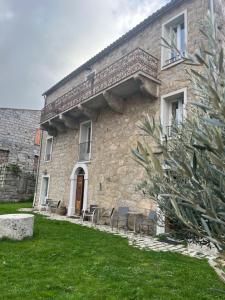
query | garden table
[135, 215]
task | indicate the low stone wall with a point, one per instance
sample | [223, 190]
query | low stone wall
[16, 184]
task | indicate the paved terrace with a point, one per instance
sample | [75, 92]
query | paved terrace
[145, 242]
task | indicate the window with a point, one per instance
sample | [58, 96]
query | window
[91, 78]
[85, 141]
[175, 33]
[4, 156]
[48, 149]
[173, 111]
[44, 189]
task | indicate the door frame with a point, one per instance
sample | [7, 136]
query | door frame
[73, 188]
[41, 187]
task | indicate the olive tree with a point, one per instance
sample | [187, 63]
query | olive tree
[186, 176]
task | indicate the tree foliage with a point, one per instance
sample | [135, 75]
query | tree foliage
[187, 178]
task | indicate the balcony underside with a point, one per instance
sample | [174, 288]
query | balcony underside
[113, 97]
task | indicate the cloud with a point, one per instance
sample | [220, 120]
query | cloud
[42, 41]
[6, 16]
[6, 13]
[130, 13]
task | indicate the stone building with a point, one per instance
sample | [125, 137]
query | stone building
[90, 117]
[19, 152]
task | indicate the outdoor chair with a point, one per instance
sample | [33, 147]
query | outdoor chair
[121, 216]
[52, 205]
[92, 213]
[148, 222]
[106, 214]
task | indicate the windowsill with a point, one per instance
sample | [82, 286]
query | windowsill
[47, 161]
[172, 64]
[169, 138]
[84, 161]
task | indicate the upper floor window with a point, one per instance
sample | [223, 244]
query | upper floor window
[4, 156]
[173, 111]
[175, 33]
[85, 141]
[48, 149]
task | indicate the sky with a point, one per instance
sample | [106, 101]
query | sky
[41, 41]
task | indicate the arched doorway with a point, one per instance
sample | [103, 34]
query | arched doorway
[79, 192]
[78, 189]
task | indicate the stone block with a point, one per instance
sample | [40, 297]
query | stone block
[16, 226]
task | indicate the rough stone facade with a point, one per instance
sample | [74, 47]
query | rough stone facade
[113, 175]
[18, 153]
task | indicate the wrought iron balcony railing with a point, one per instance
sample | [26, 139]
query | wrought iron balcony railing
[84, 151]
[48, 157]
[137, 60]
[172, 130]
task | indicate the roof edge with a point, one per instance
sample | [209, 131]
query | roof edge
[127, 36]
[25, 109]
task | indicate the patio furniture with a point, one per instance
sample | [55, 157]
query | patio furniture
[120, 216]
[148, 222]
[52, 205]
[137, 218]
[92, 213]
[106, 214]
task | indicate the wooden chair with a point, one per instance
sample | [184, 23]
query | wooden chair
[148, 222]
[91, 213]
[52, 205]
[106, 214]
[121, 216]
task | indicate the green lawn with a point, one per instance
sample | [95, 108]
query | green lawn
[67, 261]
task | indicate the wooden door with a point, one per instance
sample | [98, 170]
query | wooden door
[79, 194]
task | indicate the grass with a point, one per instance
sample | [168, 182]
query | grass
[66, 261]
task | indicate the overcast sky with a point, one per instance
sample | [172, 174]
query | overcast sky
[41, 41]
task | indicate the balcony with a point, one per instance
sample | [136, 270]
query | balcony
[135, 71]
[172, 130]
[84, 151]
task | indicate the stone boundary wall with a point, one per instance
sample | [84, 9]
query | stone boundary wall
[15, 184]
[18, 153]
[17, 136]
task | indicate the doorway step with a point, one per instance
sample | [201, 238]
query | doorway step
[75, 217]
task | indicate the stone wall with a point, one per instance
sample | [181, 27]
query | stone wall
[17, 133]
[18, 151]
[15, 185]
[113, 174]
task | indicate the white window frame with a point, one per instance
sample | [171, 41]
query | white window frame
[82, 124]
[212, 10]
[163, 49]
[163, 104]
[45, 158]
[40, 193]
[91, 75]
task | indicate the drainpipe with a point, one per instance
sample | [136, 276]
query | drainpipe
[211, 9]
[38, 169]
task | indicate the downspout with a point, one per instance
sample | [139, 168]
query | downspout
[38, 169]
[211, 9]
